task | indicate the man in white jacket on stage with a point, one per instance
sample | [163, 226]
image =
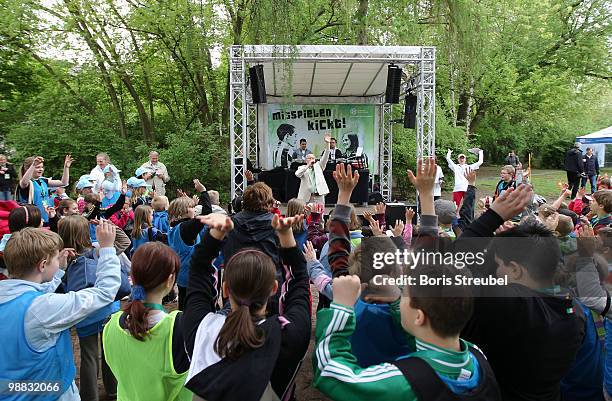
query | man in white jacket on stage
[313, 187]
[459, 170]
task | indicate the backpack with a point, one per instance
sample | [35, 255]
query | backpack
[81, 274]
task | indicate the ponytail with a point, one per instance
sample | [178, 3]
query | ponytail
[239, 333]
[136, 319]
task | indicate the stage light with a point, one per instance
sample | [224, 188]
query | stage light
[258, 84]
[410, 111]
[394, 82]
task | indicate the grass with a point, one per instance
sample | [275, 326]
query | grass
[545, 182]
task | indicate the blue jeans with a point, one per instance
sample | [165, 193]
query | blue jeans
[6, 196]
[592, 180]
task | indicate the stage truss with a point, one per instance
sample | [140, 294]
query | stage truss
[243, 113]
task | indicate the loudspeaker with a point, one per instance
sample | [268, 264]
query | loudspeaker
[394, 82]
[410, 111]
[398, 212]
[258, 84]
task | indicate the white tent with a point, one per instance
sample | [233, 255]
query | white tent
[597, 141]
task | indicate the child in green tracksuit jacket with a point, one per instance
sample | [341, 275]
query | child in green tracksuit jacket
[443, 366]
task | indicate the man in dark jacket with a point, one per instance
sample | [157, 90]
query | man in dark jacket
[7, 179]
[574, 168]
[512, 159]
[591, 169]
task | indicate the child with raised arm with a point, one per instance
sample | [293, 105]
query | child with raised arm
[34, 188]
[184, 233]
[240, 353]
[34, 321]
[443, 367]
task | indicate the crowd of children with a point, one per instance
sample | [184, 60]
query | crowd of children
[110, 263]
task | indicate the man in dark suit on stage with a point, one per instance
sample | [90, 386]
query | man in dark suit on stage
[334, 153]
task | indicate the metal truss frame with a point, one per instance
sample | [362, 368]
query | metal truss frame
[243, 114]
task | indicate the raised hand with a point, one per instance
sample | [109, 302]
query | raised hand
[38, 160]
[248, 174]
[376, 230]
[309, 252]
[470, 176]
[368, 216]
[409, 215]
[380, 208]
[587, 241]
[105, 233]
[308, 209]
[398, 229]
[513, 201]
[347, 181]
[219, 224]
[426, 174]
[64, 255]
[199, 186]
[581, 192]
[283, 224]
[181, 194]
[327, 137]
[346, 290]
[68, 161]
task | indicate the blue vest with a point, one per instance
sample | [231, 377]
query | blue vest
[94, 323]
[582, 382]
[106, 202]
[144, 238]
[92, 233]
[40, 196]
[18, 361]
[377, 338]
[160, 221]
[184, 252]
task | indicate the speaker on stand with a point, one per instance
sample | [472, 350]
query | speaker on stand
[258, 84]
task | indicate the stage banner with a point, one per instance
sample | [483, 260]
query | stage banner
[351, 124]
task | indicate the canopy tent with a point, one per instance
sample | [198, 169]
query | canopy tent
[597, 141]
[318, 75]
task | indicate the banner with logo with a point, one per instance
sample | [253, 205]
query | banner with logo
[351, 124]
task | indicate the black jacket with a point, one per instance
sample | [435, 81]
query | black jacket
[591, 165]
[573, 161]
[252, 230]
[7, 184]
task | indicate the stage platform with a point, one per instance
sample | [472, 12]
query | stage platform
[394, 211]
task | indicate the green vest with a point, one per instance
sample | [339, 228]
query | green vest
[144, 369]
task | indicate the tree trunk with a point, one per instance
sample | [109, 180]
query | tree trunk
[468, 114]
[362, 23]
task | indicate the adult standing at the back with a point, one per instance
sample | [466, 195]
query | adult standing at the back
[512, 159]
[104, 167]
[7, 179]
[574, 167]
[160, 174]
[591, 169]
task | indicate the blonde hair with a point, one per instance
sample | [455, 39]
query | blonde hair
[355, 224]
[214, 197]
[295, 206]
[143, 219]
[509, 169]
[179, 208]
[74, 231]
[160, 203]
[28, 247]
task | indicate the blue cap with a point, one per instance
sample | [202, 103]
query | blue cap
[134, 182]
[84, 183]
[110, 169]
[141, 170]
